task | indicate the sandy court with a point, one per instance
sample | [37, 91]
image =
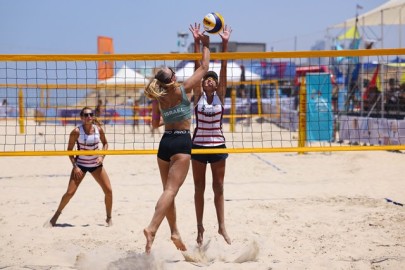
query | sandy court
[283, 211]
[54, 137]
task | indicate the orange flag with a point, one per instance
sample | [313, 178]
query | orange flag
[105, 68]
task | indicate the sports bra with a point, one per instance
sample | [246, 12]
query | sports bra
[179, 112]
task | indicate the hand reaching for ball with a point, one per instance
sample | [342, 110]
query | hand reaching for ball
[226, 33]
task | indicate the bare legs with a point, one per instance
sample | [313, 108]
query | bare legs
[71, 190]
[218, 173]
[199, 190]
[173, 174]
[102, 179]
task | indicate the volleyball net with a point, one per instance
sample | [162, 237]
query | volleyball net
[347, 100]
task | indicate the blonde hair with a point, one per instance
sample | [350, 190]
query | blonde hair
[155, 89]
[158, 86]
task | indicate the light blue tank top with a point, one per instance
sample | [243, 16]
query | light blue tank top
[179, 112]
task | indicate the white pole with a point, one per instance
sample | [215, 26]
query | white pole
[382, 83]
[400, 27]
[362, 76]
[382, 29]
[400, 41]
[382, 66]
[345, 27]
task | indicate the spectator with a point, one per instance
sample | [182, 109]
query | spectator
[136, 115]
[3, 108]
[130, 102]
[99, 109]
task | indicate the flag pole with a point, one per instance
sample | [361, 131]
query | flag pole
[350, 87]
[362, 79]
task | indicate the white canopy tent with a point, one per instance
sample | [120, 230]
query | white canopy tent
[233, 72]
[125, 83]
[125, 75]
[390, 13]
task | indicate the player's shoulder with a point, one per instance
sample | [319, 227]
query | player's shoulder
[99, 128]
[75, 131]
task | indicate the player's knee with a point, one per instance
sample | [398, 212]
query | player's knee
[108, 192]
[68, 195]
[218, 188]
[172, 192]
[199, 187]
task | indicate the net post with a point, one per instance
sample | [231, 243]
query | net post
[259, 100]
[41, 97]
[278, 106]
[233, 110]
[302, 114]
[21, 110]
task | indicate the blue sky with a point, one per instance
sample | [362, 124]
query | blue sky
[70, 27]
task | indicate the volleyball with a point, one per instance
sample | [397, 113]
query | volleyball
[213, 22]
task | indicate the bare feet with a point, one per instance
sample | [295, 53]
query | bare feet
[200, 234]
[149, 240]
[55, 218]
[178, 242]
[225, 235]
[47, 224]
[108, 220]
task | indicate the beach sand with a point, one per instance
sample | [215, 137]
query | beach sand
[283, 211]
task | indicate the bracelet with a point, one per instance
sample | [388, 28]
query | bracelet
[74, 164]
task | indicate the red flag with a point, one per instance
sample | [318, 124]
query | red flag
[105, 68]
[373, 83]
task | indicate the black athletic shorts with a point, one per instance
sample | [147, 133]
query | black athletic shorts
[89, 169]
[174, 142]
[209, 158]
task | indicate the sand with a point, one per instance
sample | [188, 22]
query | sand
[282, 210]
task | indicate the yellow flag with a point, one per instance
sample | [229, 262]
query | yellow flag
[378, 82]
[350, 34]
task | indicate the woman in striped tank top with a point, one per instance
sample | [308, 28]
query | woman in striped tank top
[209, 108]
[87, 137]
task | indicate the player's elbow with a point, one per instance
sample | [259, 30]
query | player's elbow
[156, 123]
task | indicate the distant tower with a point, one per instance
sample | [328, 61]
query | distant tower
[181, 40]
